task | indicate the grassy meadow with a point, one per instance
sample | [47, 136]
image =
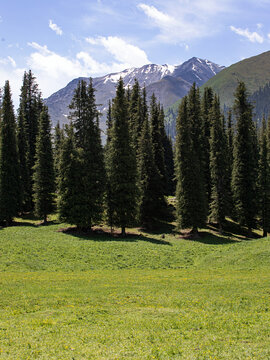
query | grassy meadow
[71, 296]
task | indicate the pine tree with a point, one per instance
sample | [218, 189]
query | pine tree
[182, 167]
[218, 165]
[57, 143]
[245, 160]
[135, 114]
[85, 118]
[264, 180]
[207, 102]
[157, 141]
[122, 173]
[109, 190]
[44, 184]
[151, 201]
[29, 111]
[9, 162]
[191, 194]
[168, 156]
[70, 183]
[229, 168]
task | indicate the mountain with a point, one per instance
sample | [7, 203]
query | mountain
[169, 83]
[254, 71]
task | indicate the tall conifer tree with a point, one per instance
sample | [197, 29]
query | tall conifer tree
[9, 161]
[85, 118]
[122, 173]
[218, 165]
[70, 183]
[157, 140]
[29, 111]
[245, 160]
[44, 180]
[207, 102]
[190, 194]
[264, 180]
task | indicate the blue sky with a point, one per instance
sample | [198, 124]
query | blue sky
[64, 39]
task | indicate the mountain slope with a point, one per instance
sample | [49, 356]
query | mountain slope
[169, 83]
[254, 71]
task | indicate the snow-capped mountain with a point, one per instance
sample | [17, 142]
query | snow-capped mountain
[169, 83]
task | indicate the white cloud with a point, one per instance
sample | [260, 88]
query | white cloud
[122, 51]
[251, 36]
[53, 71]
[55, 28]
[8, 61]
[185, 20]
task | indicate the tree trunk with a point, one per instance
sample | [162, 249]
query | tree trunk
[250, 235]
[194, 231]
[45, 222]
[264, 233]
[123, 232]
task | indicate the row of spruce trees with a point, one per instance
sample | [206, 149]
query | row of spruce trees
[123, 183]
[221, 167]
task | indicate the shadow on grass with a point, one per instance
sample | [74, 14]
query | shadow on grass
[101, 235]
[234, 230]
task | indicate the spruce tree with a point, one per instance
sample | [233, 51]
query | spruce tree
[122, 173]
[244, 160]
[191, 194]
[44, 181]
[157, 141]
[29, 111]
[218, 165]
[135, 114]
[151, 201]
[229, 157]
[183, 167]
[207, 102]
[168, 156]
[85, 117]
[264, 180]
[57, 142]
[70, 182]
[9, 161]
[109, 190]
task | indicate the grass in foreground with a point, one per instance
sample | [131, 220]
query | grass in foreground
[75, 297]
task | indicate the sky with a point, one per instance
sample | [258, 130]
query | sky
[60, 40]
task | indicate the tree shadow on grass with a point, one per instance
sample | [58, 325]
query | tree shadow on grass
[100, 235]
[234, 231]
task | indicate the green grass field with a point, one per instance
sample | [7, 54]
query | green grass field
[145, 297]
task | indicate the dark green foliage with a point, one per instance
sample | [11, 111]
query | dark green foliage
[57, 143]
[23, 149]
[109, 190]
[9, 161]
[218, 165]
[152, 203]
[136, 114]
[264, 179]
[29, 112]
[190, 194]
[168, 156]
[229, 155]
[207, 102]
[121, 164]
[157, 140]
[43, 176]
[85, 115]
[70, 184]
[245, 160]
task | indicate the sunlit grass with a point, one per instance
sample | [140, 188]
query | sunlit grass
[144, 297]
